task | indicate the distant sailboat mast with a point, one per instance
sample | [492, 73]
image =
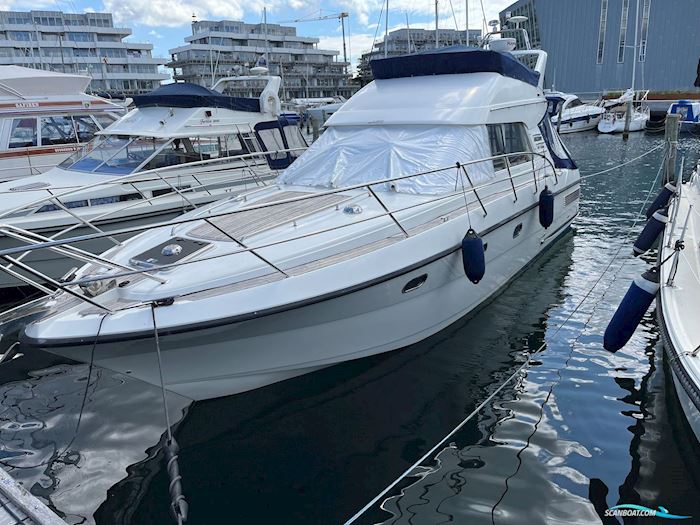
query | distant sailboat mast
[386, 30]
[437, 41]
[466, 23]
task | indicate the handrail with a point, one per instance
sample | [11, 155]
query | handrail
[186, 220]
[4, 254]
[54, 243]
[452, 195]
[135, 178]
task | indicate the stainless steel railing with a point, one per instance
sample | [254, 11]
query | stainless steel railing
[36, 242]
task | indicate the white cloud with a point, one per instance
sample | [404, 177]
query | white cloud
[171, 13]
[155, 34]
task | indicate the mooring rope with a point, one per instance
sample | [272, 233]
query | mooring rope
[178, 504]
[522, 367]
[583, 177]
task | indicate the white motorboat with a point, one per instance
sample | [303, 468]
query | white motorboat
[359, 247]
[690, 114]
[44, 117]
[181, 147]
[677, 303]
[570, 115]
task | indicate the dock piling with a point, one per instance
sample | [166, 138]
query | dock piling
[671, 137]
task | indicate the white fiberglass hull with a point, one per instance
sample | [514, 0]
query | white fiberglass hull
[574, 125]
[237, 355]
[677, 305]
[617, 125]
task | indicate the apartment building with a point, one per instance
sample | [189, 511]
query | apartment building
[86, 43]
[225, 48]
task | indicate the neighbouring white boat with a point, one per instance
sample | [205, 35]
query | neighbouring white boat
[614, 122]
[44, 117]
[689, 112]
[182, 146]
[677, 304]
[570, 115]
[360, 247]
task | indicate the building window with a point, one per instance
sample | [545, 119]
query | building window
[601, 30]
[623, 31]
[645, 30]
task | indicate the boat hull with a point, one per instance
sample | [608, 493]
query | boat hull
[677, 307]
[238, 355]
[577, 124]
[618, 125]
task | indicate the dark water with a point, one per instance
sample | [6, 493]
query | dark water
[581, 430]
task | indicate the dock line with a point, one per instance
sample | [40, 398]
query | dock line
[623, 164]
[522, 367]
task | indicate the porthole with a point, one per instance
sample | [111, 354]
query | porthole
[518, 229]
[415, 283]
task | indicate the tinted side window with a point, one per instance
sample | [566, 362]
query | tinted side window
[508, 138]
[85, 127]
[516, 141]
[57, 130]
[497, 146]
[23, 133]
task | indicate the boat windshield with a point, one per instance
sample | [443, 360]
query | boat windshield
[124, 154]
[350, 155]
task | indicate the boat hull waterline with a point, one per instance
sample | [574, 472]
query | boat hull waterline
[235, 356]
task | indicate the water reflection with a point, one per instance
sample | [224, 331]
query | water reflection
[69, 432]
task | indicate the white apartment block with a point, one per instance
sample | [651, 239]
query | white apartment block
[229, 48]
[85, 43]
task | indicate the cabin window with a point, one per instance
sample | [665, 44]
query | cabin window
[507, 139]
[575, 103]
[85, 127]
[294, 138]
[115, 198]
[67, 204]
[272, 139]
[23, 133]
[232, 146]
[57, 130]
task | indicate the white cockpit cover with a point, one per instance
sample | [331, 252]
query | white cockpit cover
[349, 155]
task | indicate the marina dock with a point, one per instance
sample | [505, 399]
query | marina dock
[451, 276]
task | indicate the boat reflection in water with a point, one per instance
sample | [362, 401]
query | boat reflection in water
[69, 432]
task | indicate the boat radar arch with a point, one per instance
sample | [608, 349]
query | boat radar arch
[269, 98]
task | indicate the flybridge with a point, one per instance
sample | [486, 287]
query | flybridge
[188, 95]
[453, 60]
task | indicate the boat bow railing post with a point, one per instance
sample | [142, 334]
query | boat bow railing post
[680, 243]
[466, 174]
[510, 178]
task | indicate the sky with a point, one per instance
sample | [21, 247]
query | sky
[165, 23]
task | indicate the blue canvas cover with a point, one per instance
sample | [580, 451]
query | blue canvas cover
[188, 95]
[453, 60]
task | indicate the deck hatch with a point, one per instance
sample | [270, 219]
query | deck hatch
[171, 251]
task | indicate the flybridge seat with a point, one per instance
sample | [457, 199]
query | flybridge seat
[188, 95]
[453, 60]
